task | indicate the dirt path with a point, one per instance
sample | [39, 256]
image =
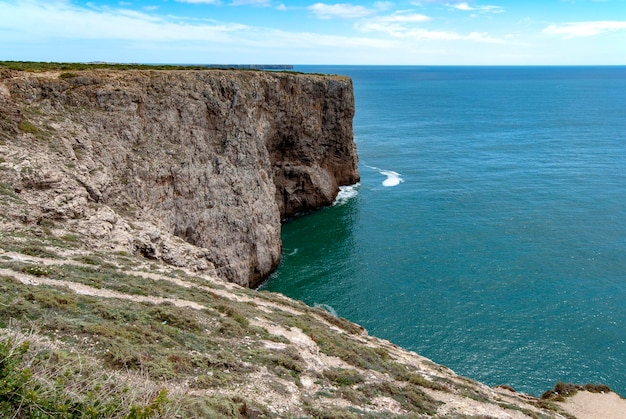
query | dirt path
[97, 292]
[586, 405]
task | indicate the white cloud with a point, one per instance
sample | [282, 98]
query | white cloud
[383, 5]
[53, 30]
[200, 1]
[397, 25]
[465, 6]
[580, 29]
[260, 3]
[339, 10]
[406, 26]
[462, 6]
[59, 22]
[422, 2]
[31, 20]
[399, 31]
[404, 18]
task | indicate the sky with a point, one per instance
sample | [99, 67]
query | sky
[397, 32]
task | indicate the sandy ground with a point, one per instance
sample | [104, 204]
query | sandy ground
[586, 405]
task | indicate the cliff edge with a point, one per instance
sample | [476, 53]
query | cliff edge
[195, 168]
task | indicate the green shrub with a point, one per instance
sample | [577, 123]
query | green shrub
[234, 314]
[286, 362]
[152, 409]
[177, 317]
[563, 390]
[343, 377]
[67, 75]
[24, 395]
[38, 251]
[8, 192]
[14, 380]
[28, 127]
[36, 270]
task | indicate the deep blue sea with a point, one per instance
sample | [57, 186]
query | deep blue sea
[488, 232]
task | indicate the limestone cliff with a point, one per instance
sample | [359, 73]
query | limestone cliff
[196, 168]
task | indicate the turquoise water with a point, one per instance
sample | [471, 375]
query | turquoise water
[498, 246]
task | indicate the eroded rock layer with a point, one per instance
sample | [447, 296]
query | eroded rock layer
[196, 168]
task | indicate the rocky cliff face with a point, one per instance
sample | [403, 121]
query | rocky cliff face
[196, 168]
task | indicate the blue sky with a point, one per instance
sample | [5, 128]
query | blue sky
[417, 32]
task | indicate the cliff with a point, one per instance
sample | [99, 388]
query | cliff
[126, 199]
[140, 160]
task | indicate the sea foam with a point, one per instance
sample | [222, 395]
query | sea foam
[346, 193]
[393, 178]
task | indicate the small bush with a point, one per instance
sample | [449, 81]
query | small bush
[234, 314]
[7, 191]
[53, 300]
[410, 397]
[597, 388]
[563, 390]
[288, 359]
[224, 407]
[343, 377]
[215, 379]
[36, 270]
[28, 127]
[67, 75]
[14, 380]
[24, 394]
[175, 317]
[38, 251]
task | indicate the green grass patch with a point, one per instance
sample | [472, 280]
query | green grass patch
[410, 396]
[67, 75]
[38, 251]
[28, 127]
[38, 384]
[343, 377]
[6, 192]
[164, 340]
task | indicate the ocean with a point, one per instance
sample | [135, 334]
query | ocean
[488, 232]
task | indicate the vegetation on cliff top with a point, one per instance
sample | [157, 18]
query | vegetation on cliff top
[36, 66]
[40, 66]
[68, 68]
[114, 335]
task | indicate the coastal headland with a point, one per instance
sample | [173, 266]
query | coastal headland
[211, 159]
[139, 206]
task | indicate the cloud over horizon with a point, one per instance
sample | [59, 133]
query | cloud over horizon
[427, 31]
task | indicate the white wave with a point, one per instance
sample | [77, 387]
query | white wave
[393, 178]
[293, 252]
[327, 308]
[346, 193]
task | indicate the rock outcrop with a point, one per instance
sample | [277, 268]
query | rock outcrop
[196, 168]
